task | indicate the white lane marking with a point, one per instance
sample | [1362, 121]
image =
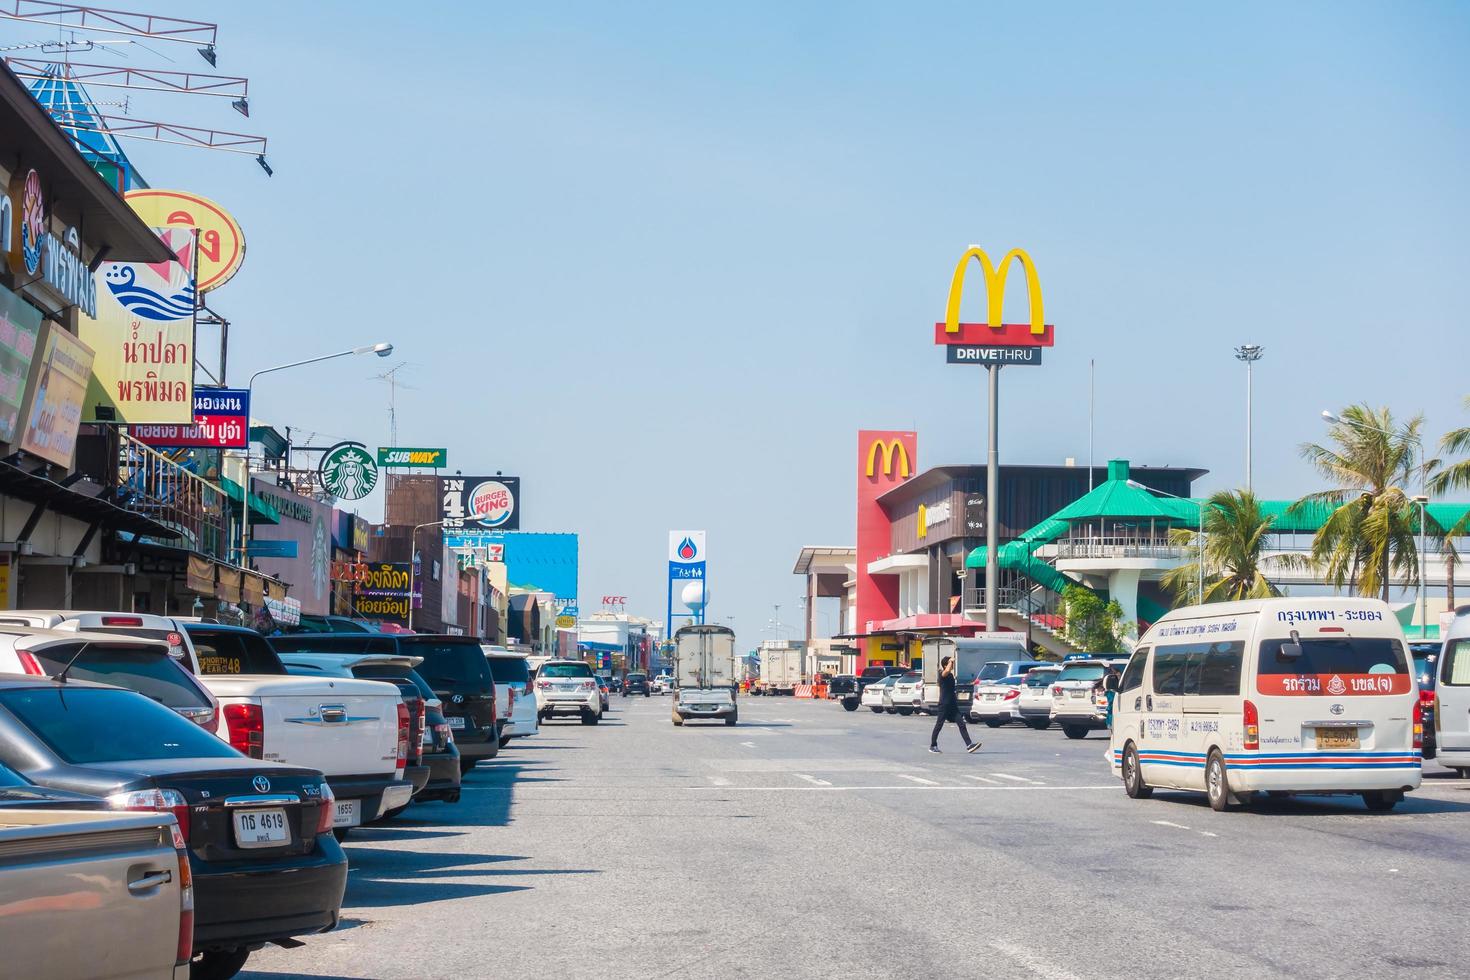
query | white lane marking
[1017, 779]
[748, 745]
[718, 780]
[1166, 823]
[1206, 833]
[922, 780]
[1035, 964]
[813, 779]
[983, 779]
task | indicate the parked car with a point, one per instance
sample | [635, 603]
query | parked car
[906, 694]
[333, 624]
[995, 702]
[453, 666]
[663, 684]
[567, 687]
[146, 666]
[441, 754]
[515, 699]
[874, 673]
[121, 880]
[635, 684]
[603, 691]
[614, 685]
[873, 694]
[1426, 668]
[264, 864]
[1077, 700]
[844, 688]
[1033, 703]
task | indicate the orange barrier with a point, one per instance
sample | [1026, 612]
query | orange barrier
[819, 691]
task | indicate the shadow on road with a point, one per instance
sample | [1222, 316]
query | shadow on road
[1320, 806]
[382, 878]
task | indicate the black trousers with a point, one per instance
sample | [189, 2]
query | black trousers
[957, 718]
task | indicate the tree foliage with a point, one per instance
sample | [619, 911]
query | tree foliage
[1234, 547]
[1093, 626]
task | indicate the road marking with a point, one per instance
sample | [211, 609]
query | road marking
[1018, 779]
[983, 779]
[718, 780]
[1166, 823]
[921, 779]
[1206, 833]
[748, 745]
[813, 779]
[1035, 964]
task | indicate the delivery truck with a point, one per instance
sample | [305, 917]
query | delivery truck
[971, 655]
[705, 675]
[781, 668]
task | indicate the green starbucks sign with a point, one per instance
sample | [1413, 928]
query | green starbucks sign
[348, 471]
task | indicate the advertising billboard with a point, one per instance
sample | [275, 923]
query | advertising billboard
[384, 591]
[143, 336]
[884, 460]
[53, 405]
[480, 503]
[307, 522]
[221, 421]
[412, 456]
[221, 242]
[20, 325]
[533, 562]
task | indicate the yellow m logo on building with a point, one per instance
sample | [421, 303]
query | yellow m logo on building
[995, 289]
[892, 451]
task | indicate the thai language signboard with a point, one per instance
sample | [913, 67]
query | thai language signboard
[53, 409]
[384, 590]
[20, 323]
[221, 421]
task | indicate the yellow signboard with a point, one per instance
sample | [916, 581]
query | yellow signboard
[221, 242]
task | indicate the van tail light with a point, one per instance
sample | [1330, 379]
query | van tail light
[1419, 724]
[185, 950]
[327, 811]
[1252, 721]
[155, 801]
[28, 663]
[402, 762]
[246, 725]
[1436, 711]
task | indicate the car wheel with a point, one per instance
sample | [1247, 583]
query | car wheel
[1382, 800]
[1133, 783]
[905, 711]
[218, 964]
[879, 711]
[891, 711]
[850, 705]
[504, 741]
[588, 718]
[1072, 731]
[995, 722]
[465, 765]
[1217, 782]
[730, 720]
[1040, 724]
[341, 834]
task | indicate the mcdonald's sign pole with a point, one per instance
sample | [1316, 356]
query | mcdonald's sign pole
[995, 344]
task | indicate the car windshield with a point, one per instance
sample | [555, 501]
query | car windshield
[994, 671]
[509, 670]
[148, 670]
[565, 670]
[1335, 655]
[446, 661]
[912, 677]
[84, 726]
[1041, 678]
[637, 677]
[231, 652]
[1081, 672]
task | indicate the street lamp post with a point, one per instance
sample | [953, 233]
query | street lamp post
[1422, 500]
[382, 350]
[1250, 354]
[1200, 564]
[413, 549]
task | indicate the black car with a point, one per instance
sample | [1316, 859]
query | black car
[1426, 663]
[845, 688]
[874, 674]
[19, 793]
[636, 684]
[454, 667]
[614, 685]
[266, 867]
[440, 754]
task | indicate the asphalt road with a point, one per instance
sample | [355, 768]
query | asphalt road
[813, 842]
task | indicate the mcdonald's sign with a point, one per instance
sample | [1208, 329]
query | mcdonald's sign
[995, 332]
[892, 453]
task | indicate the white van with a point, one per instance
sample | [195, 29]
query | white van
[1452, 697]
[1311, 695]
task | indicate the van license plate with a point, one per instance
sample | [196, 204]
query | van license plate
[1337, 738]
[261, 828]
[456, 722]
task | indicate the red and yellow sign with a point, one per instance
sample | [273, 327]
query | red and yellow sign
[1038, 333]
[221, 242]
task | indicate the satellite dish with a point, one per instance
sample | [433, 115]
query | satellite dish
[694, 596]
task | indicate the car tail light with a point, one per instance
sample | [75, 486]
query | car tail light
[1251, 719]
[1056, 691]
[1427, 698]
[589, 685]
[402, 736]
[186, 899]
[1011, 695]
[246, 725]
[544, 685]
[134, 621]
[1418, 724]
[445, 732]
[157, 801]
[28, 663]
[327, 811]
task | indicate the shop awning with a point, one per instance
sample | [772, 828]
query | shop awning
[74, 503]
[260, 511]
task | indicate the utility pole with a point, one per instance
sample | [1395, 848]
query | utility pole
[992, 491]
[1250, 354]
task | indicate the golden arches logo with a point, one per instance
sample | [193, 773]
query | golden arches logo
[995, 289]
[893, 451]
[923, 521]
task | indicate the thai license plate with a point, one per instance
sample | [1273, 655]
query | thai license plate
[261, 828]
[456, 722]
[1076, 694]
[347, 814]
[1337, 738]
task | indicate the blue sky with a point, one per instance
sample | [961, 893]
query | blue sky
[661, 260]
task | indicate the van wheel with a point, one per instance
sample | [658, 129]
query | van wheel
[995, 722]
[1133, 783]
[1381, 800]
[1072, 731]
[905, 711]
[879, 711]
[218, 964]
[1217, 782]
[1040, 724]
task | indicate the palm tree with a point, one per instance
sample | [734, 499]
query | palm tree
[1234, 542]
[1368, 538]
[1455, 476]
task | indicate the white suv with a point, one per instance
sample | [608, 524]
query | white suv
[515, 699]
[568, 687]
[905, 695]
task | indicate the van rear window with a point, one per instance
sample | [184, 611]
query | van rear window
[1335, 666]
[1456, 670]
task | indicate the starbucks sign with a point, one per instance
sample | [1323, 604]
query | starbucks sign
[348, 471]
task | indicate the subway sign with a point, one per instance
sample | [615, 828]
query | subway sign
[393, 456]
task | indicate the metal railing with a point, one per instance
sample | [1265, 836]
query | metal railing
[151, 484]
[1115, 546]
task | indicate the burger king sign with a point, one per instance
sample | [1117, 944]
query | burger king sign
[487, 503]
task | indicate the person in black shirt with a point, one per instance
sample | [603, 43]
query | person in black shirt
[949, 708]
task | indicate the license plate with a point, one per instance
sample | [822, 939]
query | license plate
[456, 722]
[1337, 738]
[261, 828]
[990, 697]
[1077, 694]
[347, 814]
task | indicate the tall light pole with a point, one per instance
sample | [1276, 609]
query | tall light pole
[1200, 564]
[1422, 501]
[1250, 354]
[382, 350]
[413, 549]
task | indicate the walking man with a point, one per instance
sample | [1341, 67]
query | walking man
[949, 708]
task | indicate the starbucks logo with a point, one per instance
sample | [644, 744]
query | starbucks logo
[348, 471]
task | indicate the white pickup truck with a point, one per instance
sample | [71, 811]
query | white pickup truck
[355, 732]
[704, 674]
